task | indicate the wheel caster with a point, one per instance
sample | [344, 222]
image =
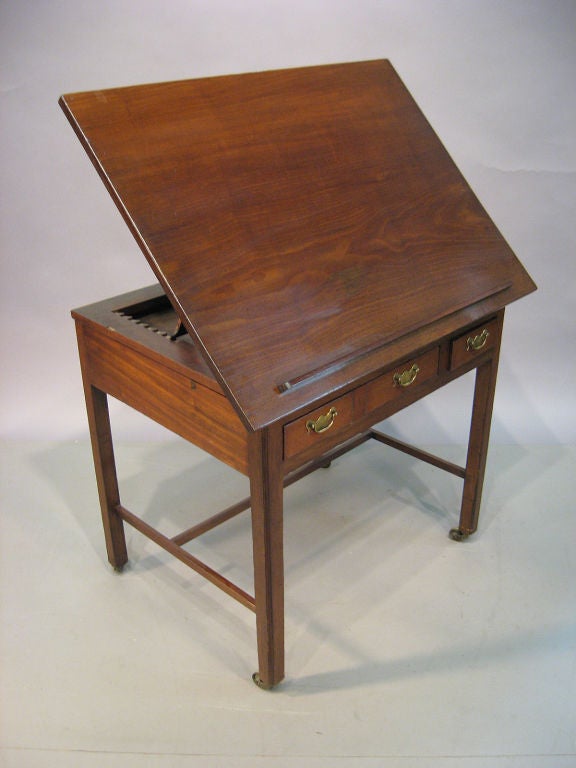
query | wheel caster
[326, 466]
[260, 684]
[118, 568]
[457, 535]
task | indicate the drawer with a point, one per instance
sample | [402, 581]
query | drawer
[395, 383]
[475, 342]
[322, 426]
[319, 426]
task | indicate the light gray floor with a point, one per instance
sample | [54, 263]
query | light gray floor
[403, 647]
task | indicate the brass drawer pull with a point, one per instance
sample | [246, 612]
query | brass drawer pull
[323, 422]
[476, 343]
[407, 377]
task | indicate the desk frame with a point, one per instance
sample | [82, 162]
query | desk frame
[267, 466]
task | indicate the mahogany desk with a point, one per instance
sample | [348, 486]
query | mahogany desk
[322, 264]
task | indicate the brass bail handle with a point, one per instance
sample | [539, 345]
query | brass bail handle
[477, 342]
[407, 377]
[322, 423]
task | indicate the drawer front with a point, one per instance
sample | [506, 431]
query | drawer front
[472, 344]
[319, 426]
[322, 426]
[397, 381]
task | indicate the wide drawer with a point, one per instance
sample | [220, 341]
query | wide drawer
[475, 342]
[321, 427]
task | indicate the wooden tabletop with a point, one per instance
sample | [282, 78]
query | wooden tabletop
[307, 224]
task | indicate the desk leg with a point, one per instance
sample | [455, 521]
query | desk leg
[104, 464]
[477, 448]
[266, 490]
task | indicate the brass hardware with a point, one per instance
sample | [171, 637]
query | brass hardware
[257, 679]
[323, 422]
[476, 343]
[457, 534]
[407, 377]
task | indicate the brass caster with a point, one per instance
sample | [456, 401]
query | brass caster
[457, 535]
[260, 684]
[118, 568]
[326, 466]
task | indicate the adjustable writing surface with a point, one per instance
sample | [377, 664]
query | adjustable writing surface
[299, 221]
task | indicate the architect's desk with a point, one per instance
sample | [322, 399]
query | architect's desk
[322, 264]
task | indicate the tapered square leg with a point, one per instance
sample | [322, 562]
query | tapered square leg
[103, 452]
[104, 465]
[484, 391]
[266, 488]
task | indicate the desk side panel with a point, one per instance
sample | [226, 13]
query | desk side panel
[179, 403]
[114, 314]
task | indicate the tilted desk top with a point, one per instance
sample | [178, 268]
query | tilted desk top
[302, 222]
[330, 265]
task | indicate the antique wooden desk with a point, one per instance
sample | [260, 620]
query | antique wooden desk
[322, 264]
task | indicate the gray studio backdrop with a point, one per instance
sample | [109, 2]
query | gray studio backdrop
[495, 79]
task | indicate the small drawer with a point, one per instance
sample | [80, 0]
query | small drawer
[398, 380]
[318, 426]
[473, 343]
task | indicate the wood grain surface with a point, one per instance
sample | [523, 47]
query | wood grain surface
[302, 222]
